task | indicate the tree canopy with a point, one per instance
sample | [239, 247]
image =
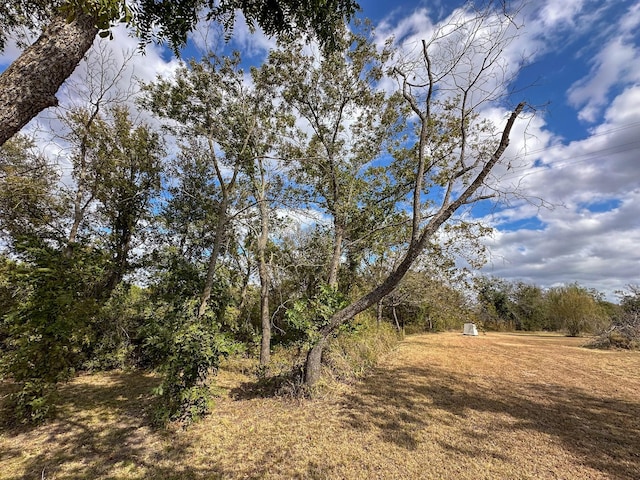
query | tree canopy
[68, 29]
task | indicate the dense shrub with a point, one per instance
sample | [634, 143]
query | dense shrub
[624, 331]
[307, 316]
[576, 310]
[192, 348]
[46, 334]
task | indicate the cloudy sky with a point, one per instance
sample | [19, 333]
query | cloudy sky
[576, 162]
[579, 157]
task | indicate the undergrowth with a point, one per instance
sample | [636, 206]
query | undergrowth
[355, 350]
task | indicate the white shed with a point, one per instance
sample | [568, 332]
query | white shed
[470, 329]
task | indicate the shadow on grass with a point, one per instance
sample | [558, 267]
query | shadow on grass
[604, 433]
[287, 384]
[101, 430]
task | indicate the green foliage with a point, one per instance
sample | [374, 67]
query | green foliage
[11, 292]
[424, 302]
[28, 202]
[107, 13]
[308, 316]
[192, 350]
[174, 19]
[529, 308]
[118, 331]
[358, 348]
[48, 331]
[33, 403]
[495, 307]
[349, 121]
[576, 310]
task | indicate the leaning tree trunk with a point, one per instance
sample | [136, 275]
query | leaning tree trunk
[30, 84]
[314, 356]
[417, 246]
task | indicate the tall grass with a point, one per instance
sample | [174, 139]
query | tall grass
[357, 349]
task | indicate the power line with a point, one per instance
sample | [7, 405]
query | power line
[600, 134]
[576, 159]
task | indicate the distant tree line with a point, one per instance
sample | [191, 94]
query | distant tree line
[574, 309]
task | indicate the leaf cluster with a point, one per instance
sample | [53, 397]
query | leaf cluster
[309, 315]
[46, 334]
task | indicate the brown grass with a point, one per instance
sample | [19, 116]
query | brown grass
[501, 406]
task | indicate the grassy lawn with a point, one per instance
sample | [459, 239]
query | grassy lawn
[442, 407]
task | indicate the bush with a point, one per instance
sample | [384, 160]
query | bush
[619, 336]
[624, 331]
[307, 316]
[47, 333]
[116, 333]
[576, 310]
[192, 350]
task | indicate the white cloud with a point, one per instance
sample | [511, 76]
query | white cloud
[614, 65]
[577, 240]
[251, 44]
[209, 36]
[554, 14]
[597, 249]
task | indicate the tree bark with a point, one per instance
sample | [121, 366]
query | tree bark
[79, 208]
[379, 311]
[395, 317]
[213, 258]
[313, 365]
[30, 84]
[334, 267]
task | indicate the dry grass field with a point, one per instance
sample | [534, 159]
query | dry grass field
[497, 406]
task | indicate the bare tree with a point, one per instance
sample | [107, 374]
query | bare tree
[455, 73]
[98, 90]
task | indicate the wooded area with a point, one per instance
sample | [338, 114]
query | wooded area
[317, 197]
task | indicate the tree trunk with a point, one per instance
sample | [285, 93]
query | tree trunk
[78, 207]
[334, 267]
[312, 367]
[213, 259]
[395, 317]
[123, 228]
[30, 84]
[245, 288]
[379, 312]
[265, 318]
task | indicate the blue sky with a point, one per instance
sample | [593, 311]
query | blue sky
[581, 153]
[577, 161]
